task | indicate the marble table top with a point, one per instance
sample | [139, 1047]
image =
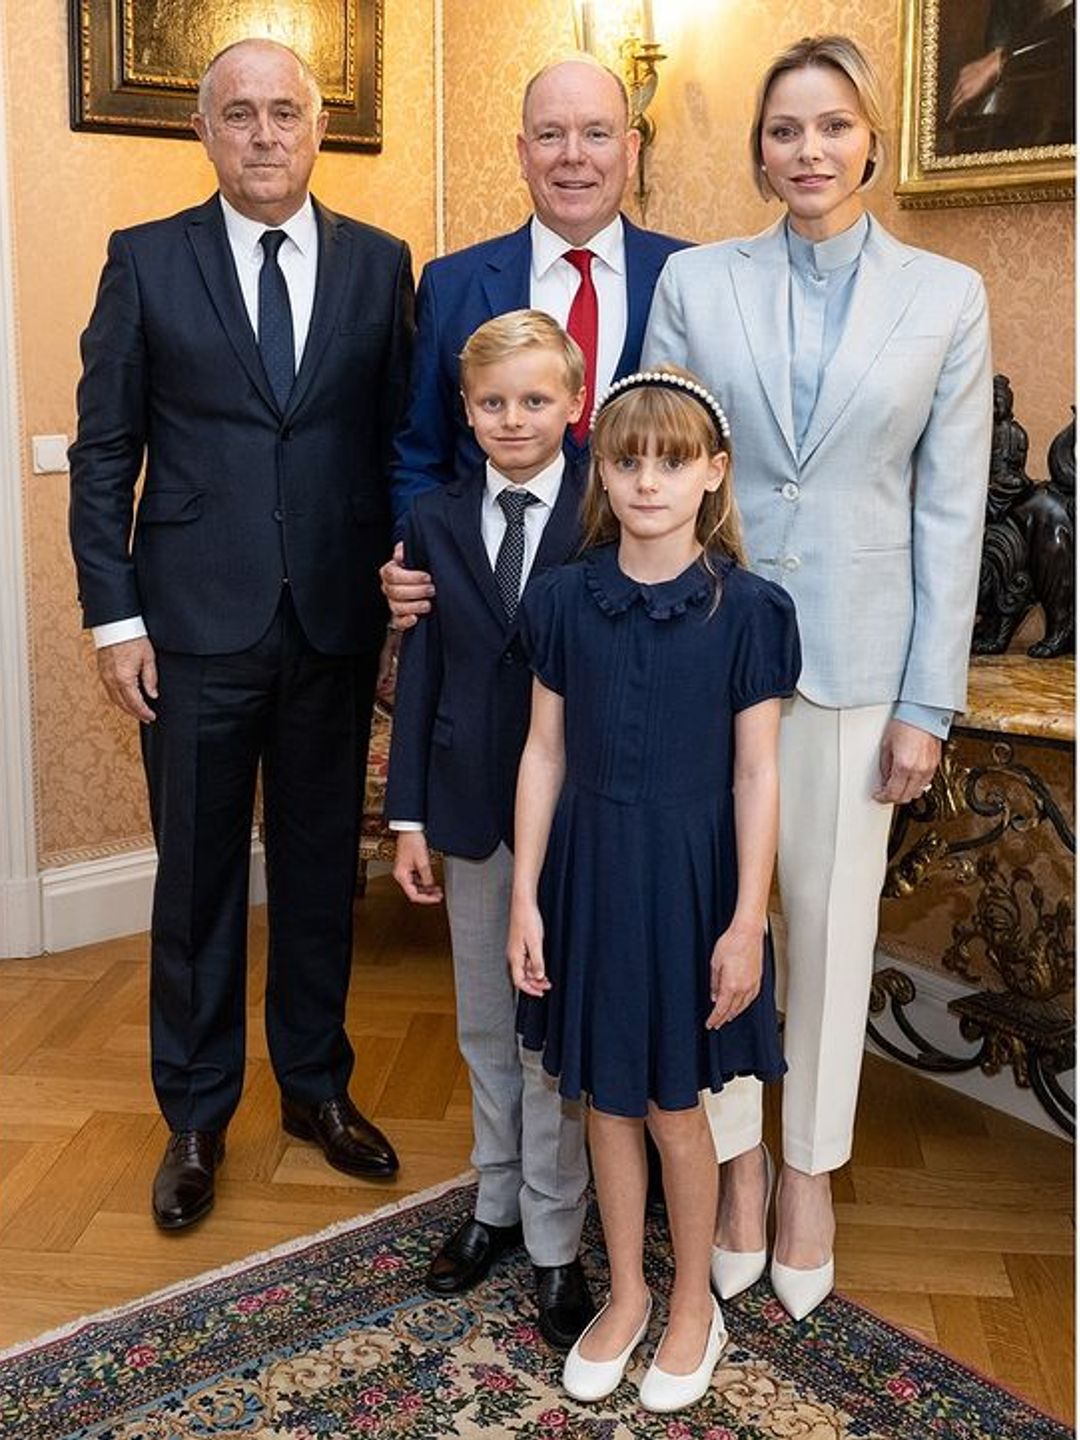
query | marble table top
[1017, 695]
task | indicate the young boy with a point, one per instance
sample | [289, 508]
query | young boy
[461, 715]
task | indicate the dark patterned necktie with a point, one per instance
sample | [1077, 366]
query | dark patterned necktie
[510, 560]
[276, 345]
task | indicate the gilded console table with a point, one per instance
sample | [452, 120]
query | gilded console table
[980, 884]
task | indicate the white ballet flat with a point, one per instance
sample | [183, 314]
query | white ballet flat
[661, 1392]
[593, 1379]
[733, 1271]
[800, 1291]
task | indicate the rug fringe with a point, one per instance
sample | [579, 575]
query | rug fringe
[249, 1262]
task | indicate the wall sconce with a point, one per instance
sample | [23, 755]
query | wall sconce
[640, 55]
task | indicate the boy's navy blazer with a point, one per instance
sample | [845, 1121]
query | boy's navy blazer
[457, 293]
[464, 690]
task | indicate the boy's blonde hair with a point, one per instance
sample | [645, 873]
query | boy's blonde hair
[843, 54]
[679, 426]
[520, 330]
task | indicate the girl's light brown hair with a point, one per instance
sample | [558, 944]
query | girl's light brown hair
[676, 425]
[841, 53]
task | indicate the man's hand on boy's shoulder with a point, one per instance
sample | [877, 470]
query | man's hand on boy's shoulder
[408, 592]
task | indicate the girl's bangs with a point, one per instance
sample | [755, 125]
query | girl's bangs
[677, 425]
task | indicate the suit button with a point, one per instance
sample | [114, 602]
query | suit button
[286, 434]
[791, 562]
[790, 491]
[508, 657]
[278, 516]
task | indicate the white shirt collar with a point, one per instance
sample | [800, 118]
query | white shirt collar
[608, 245]
[244, 233]
[544, 486]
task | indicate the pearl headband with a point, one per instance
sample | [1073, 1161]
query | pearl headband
[664, 380]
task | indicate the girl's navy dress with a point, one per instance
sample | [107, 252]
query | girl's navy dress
[640, 877]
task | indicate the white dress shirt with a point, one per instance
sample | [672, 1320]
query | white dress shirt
[299, 260]
[545, 487]
[553, 283]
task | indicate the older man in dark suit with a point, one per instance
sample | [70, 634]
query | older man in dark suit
[255, 351]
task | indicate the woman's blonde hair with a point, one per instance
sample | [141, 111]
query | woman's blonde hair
[844, 55]
[678, 425]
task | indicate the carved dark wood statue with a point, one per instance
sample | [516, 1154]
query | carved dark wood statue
[1028, 545]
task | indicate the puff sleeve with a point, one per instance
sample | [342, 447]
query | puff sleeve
[767, 657]
[541, 625]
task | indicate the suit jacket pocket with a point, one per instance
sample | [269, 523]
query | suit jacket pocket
[442, 732]
[170, 507]
[375, 330]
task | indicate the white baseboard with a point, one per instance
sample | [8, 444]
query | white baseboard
[20, 918]
[104, 899]
[929, 1013]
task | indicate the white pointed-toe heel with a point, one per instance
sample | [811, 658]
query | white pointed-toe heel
[800, 1291]
[594, 1379]
[662, 1393]
[734, 1271]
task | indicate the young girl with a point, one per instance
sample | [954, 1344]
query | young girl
[649, 781]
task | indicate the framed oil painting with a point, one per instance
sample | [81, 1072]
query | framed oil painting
[988, 107]
[135, 64]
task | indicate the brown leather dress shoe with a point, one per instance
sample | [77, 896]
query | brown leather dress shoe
[468, 1255]
[349, 1142]
[184, 1184]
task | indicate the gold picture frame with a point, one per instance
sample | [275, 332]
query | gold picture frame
[135, 64]
[987, 102]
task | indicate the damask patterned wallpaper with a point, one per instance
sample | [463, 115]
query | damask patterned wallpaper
[70, 190]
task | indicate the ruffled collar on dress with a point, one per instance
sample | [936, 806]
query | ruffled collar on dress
[614, 591]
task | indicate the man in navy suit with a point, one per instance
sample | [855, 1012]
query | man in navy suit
[576, 151]
[460, 721]
[255, 351]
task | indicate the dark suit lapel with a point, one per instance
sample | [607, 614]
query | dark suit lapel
[210, 243]
[760, 280]
[331, 281]
[562, 533]
[644, 261]
[505, 277]
[463, 512]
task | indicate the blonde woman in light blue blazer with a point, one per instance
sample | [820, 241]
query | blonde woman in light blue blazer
[856, 371]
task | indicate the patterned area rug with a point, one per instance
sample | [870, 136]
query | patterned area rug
[334, 1337]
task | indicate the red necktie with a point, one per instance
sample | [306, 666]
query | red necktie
[583, 325]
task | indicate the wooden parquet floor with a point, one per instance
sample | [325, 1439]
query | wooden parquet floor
[955, 1222]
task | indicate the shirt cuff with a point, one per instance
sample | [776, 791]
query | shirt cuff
[406, 826]
[117, 631]
[925, 717]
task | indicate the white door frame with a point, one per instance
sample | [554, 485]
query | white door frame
[20, 886]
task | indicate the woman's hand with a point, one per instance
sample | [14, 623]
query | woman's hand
[412, 868]
[909, 757]
[525, 948]
[408, 592]
[736, 972]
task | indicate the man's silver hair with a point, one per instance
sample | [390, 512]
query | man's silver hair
[206, 84]
[580, 57]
